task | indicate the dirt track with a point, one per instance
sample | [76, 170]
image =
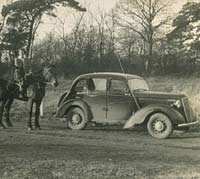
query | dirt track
[55, 152]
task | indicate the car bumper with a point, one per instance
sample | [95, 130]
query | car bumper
[189, 124]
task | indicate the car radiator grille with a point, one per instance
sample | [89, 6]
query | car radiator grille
[189, 113]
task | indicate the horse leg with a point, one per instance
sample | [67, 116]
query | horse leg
[7, 110]
[2, 105]
[30, 106]
[37, 114]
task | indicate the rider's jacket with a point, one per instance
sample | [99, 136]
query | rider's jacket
[19, 71]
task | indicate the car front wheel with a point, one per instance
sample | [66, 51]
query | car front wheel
[76, 119]
[159, 126]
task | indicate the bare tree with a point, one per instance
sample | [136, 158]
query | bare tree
[111, 30]
[78, 27]
[99, 21]
[71, 42]
[144, 17]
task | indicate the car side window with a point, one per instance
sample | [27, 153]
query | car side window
[81, 85]
[118, 86]
[99, 84]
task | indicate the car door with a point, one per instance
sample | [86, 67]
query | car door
[95, 97]
[120, 103]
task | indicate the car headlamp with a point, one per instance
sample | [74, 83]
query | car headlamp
[177, 103]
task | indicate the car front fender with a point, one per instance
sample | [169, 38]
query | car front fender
[66, 106]
[140, 116]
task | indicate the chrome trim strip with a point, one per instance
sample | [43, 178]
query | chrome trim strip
[188, 124]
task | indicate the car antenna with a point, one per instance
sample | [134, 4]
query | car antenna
[120, 63]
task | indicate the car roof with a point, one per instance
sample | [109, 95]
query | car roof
[110, 74]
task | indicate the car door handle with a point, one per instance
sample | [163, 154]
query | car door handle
[105, 109]
[92, 95]
[127, 94]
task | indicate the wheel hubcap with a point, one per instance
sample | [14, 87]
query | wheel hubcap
[159, 126]
[76, 119]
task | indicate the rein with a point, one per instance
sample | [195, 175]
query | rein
[39, 79]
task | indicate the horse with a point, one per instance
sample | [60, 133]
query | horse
[36, 84]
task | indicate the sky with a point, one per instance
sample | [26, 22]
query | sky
[64, 14]
[94, 6]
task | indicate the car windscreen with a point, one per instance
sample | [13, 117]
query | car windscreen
[137, 84]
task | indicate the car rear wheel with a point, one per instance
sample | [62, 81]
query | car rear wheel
[76, 119]
[159, 126]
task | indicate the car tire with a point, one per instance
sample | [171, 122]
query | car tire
[76, 119]
[159, 126]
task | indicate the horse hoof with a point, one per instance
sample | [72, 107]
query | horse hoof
[30, 128]
[2, 126]
[9, 125]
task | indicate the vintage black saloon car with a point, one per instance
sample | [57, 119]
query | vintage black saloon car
[116, 98]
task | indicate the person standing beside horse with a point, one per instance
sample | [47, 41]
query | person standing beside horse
[19, 77]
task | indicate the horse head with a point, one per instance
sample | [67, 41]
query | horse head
[49, 76]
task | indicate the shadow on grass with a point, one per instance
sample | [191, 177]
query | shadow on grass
[186, 135]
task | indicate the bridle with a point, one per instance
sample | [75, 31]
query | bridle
[48, 75]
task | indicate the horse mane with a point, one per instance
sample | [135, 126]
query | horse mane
[35, 77]
[38, 72]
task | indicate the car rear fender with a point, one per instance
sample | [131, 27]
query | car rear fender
[65, 107]
[62, 98]
[143, 114]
